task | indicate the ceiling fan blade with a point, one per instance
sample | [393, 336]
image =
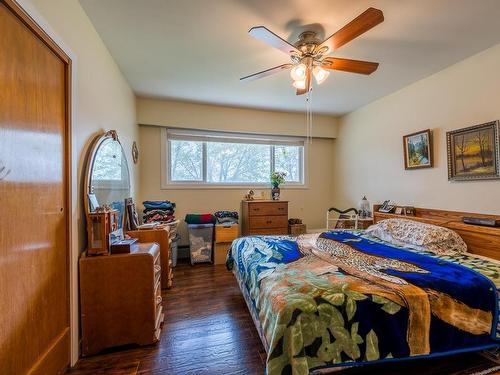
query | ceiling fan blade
[267, 36]
[266, 72]
[361, 24]
[347, 65]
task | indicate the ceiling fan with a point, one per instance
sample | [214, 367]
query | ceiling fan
[309, 55]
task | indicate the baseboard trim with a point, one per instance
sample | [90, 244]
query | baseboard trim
[55, 360]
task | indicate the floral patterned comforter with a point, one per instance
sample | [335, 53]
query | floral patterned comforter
[342, 298]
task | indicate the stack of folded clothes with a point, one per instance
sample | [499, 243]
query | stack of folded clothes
[226, 217]
[158, 211]
[199, 219]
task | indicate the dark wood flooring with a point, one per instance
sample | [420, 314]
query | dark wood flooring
[208, 330]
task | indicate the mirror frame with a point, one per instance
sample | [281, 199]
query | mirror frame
[96, 143]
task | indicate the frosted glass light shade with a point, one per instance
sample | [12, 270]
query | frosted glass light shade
[300, 84]
[320, 74]
[298, 72]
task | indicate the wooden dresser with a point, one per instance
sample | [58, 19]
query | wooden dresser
[120, 298]
[162, 237]
[264, 217]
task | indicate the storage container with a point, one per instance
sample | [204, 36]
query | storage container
[174, 249]
[200, 242]
[226, 232]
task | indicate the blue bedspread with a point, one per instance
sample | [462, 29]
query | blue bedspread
[342, 299]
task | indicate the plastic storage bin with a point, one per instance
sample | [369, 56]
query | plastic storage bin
[174, 250]
[200, 242]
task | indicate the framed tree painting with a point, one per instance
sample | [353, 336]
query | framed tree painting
[418, 150]
[473, 152]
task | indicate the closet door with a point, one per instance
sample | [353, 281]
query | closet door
[34, 196]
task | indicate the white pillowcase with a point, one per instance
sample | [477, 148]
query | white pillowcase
[417, 235]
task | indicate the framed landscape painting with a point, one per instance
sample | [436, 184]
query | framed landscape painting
[473, 153]
[418, 150]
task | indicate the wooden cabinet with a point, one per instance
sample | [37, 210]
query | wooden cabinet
[120, 298]
[162, 237]
[264, 217]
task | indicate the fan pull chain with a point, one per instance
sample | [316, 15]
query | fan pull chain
[309, 117]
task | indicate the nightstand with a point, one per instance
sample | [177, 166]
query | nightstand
[365, 223]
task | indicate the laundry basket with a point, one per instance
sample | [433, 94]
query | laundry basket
[200, 242]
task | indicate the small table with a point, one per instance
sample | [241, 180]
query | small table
[365, 223]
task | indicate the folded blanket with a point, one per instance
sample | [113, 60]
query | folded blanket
[227, 220]
[199, 219]
[225, 217]
[150, 211]
[165, 205]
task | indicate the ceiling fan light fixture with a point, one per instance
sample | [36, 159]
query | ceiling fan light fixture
[320, 74]
[298, 72]
[299, 84]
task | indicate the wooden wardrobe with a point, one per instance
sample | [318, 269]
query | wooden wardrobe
[35, 77]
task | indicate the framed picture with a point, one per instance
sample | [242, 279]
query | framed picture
[409, 211]
[418, 150]
[473, 153]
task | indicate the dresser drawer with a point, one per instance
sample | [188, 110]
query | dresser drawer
[264, 231]
[267, 208]
[268, 222]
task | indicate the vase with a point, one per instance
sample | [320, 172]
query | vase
[275, 193]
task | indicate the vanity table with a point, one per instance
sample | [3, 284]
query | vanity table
[120, 294]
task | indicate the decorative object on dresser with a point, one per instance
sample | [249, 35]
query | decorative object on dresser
[124, 246]
[295, 227]
[224, 235]
[264, 217]
[160, 235]
[364, 208]
[480, 240]
[100, 225]
[418, 150]
[473, 153]
[277, 178]
[120, 299]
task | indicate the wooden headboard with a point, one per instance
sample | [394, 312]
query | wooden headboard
[480, 240]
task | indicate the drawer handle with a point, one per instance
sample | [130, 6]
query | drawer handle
[281, 208]
[269, 222]
[256, 209]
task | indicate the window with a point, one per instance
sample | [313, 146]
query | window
[212, 158]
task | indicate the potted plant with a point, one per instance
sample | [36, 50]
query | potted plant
[277, 178]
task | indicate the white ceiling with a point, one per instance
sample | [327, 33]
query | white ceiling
[196, 50]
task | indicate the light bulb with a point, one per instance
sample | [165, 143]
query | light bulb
[298, 72]
[300, 84]
[320, 74]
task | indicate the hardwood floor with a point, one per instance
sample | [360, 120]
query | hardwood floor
[208, 330]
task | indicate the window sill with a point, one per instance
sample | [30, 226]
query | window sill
[180, 186]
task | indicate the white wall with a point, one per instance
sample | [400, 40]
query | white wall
[369, 150]
[102, 100]
[222, 118]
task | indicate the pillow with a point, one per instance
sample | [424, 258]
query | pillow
[420, 236]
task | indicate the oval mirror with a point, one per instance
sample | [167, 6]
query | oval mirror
[107, 176]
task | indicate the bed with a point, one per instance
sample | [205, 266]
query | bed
[325, 301]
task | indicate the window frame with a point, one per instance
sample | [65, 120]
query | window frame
[168, 134]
